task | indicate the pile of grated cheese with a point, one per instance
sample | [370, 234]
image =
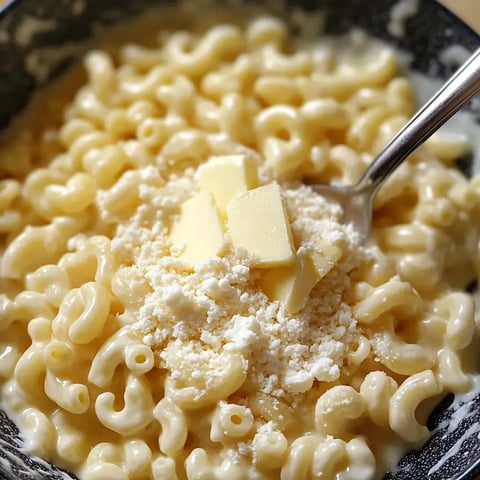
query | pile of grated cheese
[191, 317]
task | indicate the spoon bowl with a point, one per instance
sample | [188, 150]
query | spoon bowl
[356, 203]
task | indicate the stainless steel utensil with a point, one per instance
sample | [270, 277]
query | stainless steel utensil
[356, 200]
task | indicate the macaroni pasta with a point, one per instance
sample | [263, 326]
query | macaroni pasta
[119, 359]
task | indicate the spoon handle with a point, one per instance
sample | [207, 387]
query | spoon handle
[461, 87]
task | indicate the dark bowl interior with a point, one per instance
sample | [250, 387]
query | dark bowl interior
[428, 32]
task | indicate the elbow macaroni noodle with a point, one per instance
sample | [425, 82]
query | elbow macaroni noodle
[95, 393]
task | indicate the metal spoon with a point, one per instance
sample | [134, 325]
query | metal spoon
[356, 200]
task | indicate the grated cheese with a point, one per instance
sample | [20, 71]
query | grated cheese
[219, 307]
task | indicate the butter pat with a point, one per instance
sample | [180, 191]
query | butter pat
[227, 176]
[292, 285]
[325, 256]
[199, 229]
[257, 222]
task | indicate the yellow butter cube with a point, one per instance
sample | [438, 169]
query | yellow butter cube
[226, 176]
[199, 230]
[257, 221]
[325, 256]
[292, 285]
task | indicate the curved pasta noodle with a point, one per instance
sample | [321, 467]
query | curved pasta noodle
[101, 72]
[137, 412]
[104, 471]
[340, 86]
[336, 407]
[118, 125]
[152, 132]
[283, 135]
[439, 212]
[231, 468]
[220, 386]
[71, 442]
[404, 402]
[361, 460]
[198, 466]
[377, 389]
[188, 146]
[459, 309]
[106, 165]
[87, 143]
[10, 222]
[218, 43]
[378, 271]
[141, 110]
[28, 305]
[179, 97]
[37, 246]
[300, 456]
[114, 351]
[51, 281]
[137, 458]
[121, 200]
[327, 457]
[163, 468]
[75, 196]
[174, 427]
[72, 397]
[275, 62]
[399, 356]
[384, 298]
[42, 436]
[59, 356]
[271, 409]
[235, 118]
[92, 261]
[232, 79]
[361, 352]
[139, 358]
[347, 162]
[141, 57]
[268, 88]
[30, 369]
[269, 450]
[364, 129]
[230, 421]
[265, 31]
[450, 372]
[326, 112]
[144, 87]
[105, 452]
[9, 190]
[73, 129]
[82, 314]
[34, 187]
[9, 356]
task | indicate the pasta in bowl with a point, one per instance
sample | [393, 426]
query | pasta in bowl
[177, 303]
